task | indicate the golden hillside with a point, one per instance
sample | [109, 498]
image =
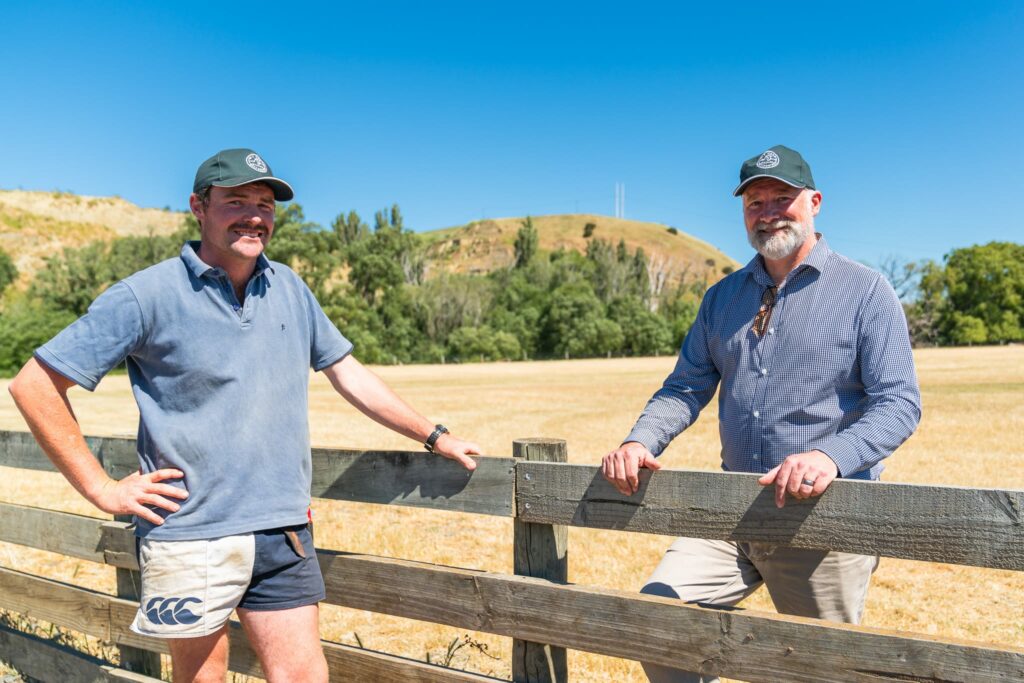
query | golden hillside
[34, 225]
[482, 246]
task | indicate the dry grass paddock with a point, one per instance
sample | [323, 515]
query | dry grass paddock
[972, 434]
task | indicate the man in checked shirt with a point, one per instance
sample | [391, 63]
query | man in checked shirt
[817, 382]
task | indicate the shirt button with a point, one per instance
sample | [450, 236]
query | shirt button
[771, 330]
[757, 413]
[764, 371]
[756, 456]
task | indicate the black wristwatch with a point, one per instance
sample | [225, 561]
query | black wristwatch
[434, 436]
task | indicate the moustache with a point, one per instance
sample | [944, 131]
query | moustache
[778, 225]
[242, 225]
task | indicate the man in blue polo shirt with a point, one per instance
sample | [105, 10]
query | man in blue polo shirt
[811, 356]
[218, 344]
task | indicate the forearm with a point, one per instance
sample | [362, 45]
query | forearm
[675, 406]
[892, 405]
[372, 397]
[41, 397]
[885, 425]
[685, 392]
[664, 417]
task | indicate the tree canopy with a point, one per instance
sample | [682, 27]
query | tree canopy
[975, 296]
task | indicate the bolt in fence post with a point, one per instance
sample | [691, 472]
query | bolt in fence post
[540, 552]
[129, 584]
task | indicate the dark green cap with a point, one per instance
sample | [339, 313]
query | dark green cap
[779, 162]
[234, 167]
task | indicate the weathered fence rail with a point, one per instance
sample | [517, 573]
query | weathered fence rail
[543, 613]
[978, 527]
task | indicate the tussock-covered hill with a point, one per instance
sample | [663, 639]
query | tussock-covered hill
[34, 225]
[482, 246]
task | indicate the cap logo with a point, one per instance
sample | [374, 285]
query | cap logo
[257, 164]
[767, 160]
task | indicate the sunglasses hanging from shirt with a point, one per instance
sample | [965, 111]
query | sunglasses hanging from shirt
[764, 314]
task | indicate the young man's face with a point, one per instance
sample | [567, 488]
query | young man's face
[236, 223]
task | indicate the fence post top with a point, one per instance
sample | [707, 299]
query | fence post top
[539, 441]
[541, 449]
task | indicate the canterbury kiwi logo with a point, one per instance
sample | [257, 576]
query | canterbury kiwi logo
[171, 611]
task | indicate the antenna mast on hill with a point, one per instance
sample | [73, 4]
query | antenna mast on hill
[620, 200]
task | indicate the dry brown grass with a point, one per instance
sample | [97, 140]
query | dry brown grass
[971, 435]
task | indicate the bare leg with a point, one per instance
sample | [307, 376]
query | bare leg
[287, 642]
[200, 660]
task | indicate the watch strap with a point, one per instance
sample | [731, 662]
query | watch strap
[434, 436]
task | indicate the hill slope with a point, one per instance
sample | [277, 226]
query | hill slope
[482, 246]
[34, 225]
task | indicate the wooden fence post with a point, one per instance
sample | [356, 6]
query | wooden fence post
[129, 586]
[541, 552]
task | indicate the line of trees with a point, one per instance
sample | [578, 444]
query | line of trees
[608, 301]
[975, 296]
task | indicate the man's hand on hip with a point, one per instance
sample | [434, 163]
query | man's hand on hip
[131, 495]
[622, 466]
[803, 475]
[458, 450]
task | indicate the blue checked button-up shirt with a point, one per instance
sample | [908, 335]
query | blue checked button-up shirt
[832, 372]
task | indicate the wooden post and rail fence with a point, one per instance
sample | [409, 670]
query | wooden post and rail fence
[536, 606]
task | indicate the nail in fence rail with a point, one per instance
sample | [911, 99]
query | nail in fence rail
[541, 552]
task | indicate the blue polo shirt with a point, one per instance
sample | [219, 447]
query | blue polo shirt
[222, 388]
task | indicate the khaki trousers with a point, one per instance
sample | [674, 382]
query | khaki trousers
[808, 583]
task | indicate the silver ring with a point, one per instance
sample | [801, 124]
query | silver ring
[808, 482]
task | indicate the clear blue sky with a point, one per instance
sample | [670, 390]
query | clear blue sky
[910, 113]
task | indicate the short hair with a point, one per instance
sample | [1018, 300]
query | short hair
[204, 195]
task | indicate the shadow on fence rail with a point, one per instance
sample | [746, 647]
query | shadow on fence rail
[536, 606]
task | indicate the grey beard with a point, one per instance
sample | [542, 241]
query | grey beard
[780, 245]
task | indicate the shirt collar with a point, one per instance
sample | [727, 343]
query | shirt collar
[199, 268]
[816, 260]
[818, 256]
[262, 264]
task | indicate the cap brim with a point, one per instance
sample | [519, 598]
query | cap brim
[282, 191]
[739, 188]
